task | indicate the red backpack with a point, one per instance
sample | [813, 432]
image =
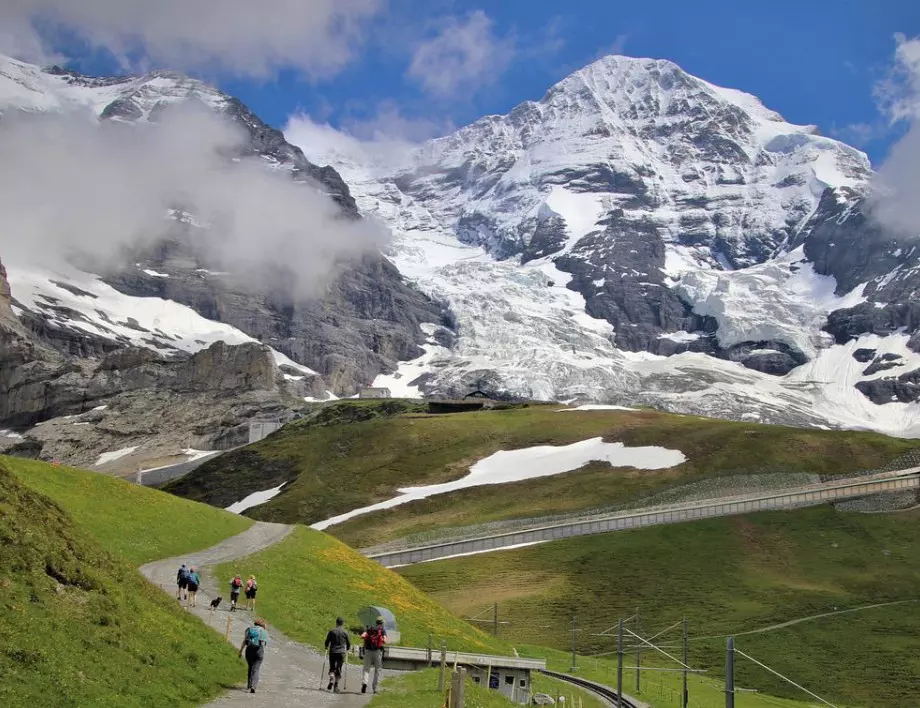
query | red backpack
[237, 583]
[374, 639]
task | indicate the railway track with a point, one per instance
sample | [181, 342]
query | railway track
[607, 694]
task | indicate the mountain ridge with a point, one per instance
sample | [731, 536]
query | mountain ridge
[685, 218]
[637, 235]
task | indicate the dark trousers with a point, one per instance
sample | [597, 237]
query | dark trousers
[336, 661]
[254, 657]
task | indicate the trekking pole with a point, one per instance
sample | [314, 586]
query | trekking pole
[322, 675]
[346, 672]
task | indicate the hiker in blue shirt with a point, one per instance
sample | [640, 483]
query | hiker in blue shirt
[194, 580]
[254, 641]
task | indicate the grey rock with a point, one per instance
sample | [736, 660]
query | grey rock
[903, 389]
[864, 356]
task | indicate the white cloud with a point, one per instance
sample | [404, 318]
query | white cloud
[386, 139]
[618, 46]
[896, 194]
[316, 37]
[77, 187]
[898, 94]
[464, 55]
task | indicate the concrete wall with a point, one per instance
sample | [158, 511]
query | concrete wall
[806, 496]
[262, 429]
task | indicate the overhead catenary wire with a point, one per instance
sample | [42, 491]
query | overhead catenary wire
[784, 678]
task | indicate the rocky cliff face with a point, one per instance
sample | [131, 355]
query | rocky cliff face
[70, 343]
[639, 233]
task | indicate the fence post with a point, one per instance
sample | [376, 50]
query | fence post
[229, 623]
[461, 688]
[685, 701]
[730, 673]
[574, 629]
[620, 664]
[638, 654]
[443, 665]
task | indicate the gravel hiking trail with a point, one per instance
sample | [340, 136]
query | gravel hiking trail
[290, 675]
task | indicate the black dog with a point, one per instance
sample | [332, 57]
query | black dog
[215, 603]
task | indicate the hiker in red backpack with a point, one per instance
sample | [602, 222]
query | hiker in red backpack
[252, 587]
[235, 584]
[374, 640]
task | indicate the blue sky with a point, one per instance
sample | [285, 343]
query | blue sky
[813, 61]
[417, 68]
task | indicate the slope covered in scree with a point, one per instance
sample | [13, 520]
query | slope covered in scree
[80, 627]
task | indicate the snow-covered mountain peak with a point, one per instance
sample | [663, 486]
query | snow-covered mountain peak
[136, 98]
[641, 234]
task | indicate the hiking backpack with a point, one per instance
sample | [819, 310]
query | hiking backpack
[236, 583]
[374, 639]
[253, 637]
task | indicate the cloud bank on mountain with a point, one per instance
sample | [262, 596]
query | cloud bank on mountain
[72, 186]
[317, 37]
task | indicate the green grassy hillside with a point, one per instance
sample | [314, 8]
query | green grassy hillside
[728, 575]
[310, 578]
[357, 453]
[80, 627]
[137, 523]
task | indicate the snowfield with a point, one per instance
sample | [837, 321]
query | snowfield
[255, 499]
[529, 463]
[107, 457]
[70, 298]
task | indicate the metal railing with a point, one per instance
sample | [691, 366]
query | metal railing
[809, 495]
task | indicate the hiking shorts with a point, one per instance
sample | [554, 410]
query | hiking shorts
[251, 594]
[183, 584]
[192, 587]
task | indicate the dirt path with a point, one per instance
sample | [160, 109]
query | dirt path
[291, 672]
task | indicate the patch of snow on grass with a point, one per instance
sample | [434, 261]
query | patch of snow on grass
[475, 553]
[530, 463]
[107, 457]
[193, 454]
[596, 407]
[255, 499]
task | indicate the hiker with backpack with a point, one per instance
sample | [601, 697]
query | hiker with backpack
[374, 640]
[235, 584]
[251, 588]
[254, 641]
[182, 583]
[338, 644]
[194, 580]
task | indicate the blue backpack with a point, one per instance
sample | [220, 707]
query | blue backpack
[254, 637]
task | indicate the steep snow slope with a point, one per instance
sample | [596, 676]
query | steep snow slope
[71, 299]
[633, 237]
